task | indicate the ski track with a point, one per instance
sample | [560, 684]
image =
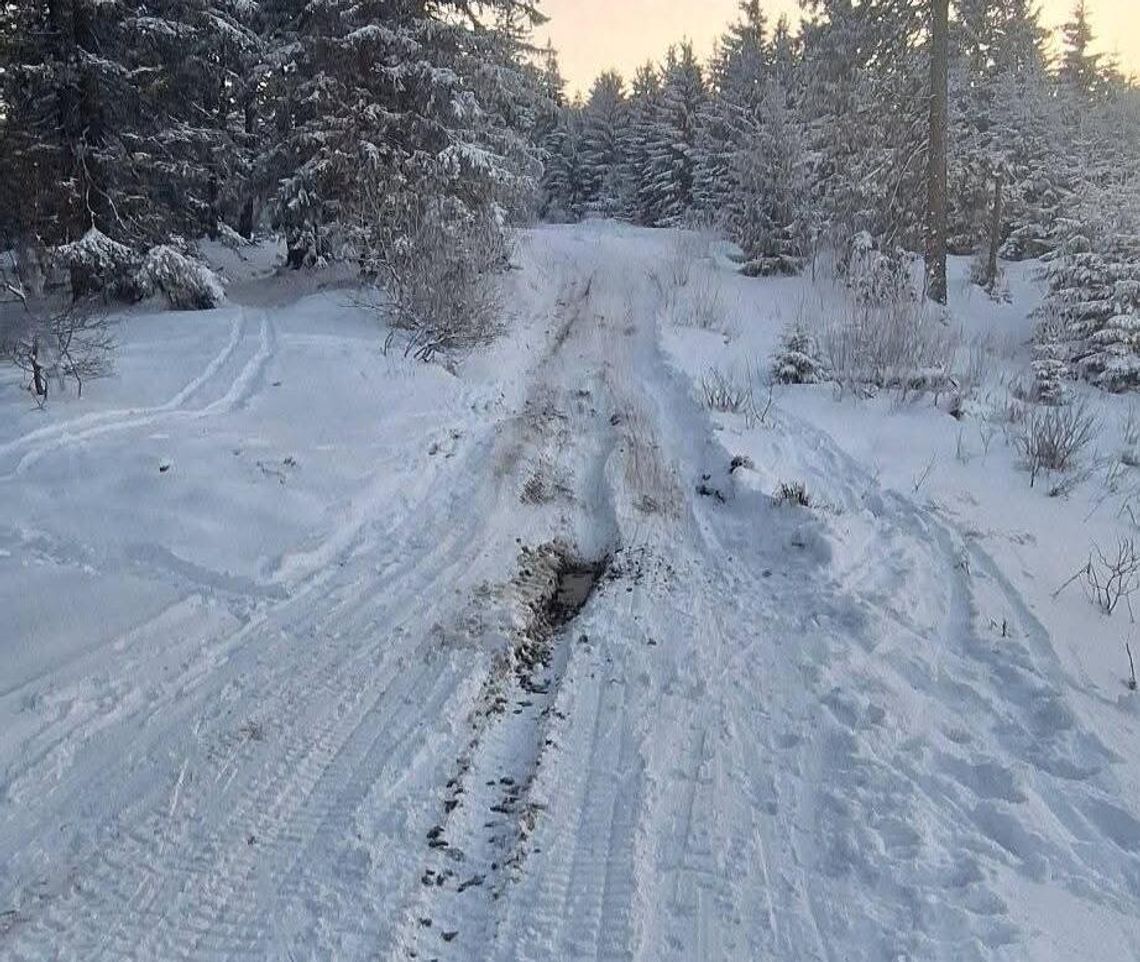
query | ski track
[243, 387]
[712, 768]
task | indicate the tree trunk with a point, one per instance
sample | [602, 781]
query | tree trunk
[245, 222]
[39, 376]
[80, 114]
[995, 233]
[248, 210]
[936, 287]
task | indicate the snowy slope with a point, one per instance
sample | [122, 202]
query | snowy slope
[281, 700]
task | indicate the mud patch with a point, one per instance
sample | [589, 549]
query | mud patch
[488, 816]
[553, 584]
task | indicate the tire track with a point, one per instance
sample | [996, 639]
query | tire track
[201, 869]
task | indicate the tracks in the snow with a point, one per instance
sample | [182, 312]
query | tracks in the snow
[488, 814]
[236, 373]
[556, 456]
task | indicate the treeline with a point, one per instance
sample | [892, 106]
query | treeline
[792, 142]
[408, 135]
[346, 124]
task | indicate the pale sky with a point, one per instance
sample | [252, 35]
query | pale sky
[592, 35]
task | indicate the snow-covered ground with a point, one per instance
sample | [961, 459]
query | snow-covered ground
[268, 596]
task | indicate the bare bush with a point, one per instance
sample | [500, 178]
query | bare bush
[759, 413]
[1114, 578]
[729, 393]
[976, 370]
[900, 345]
[686, 249]
[722, 391]
[793, 492]
[1054, 438]
[1110, 579]
[705, 309]
[924, 475]
[438, 267]
[698, 304]
[52, 342]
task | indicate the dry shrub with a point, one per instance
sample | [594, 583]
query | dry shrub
[53, 342]
[1054, 438]
[438, 266]
[899, 344]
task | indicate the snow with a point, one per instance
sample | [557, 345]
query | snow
[263, 589]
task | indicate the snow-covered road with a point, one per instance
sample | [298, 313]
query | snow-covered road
[300, 687]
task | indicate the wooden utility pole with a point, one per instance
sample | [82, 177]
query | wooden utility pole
[936, 172]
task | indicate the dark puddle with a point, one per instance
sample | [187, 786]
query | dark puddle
[576, 583]
[568, 585]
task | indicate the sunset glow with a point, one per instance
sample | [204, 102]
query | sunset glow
[593, 35]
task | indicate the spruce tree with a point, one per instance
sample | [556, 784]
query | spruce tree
[673, 146]
[737, 78]
[865, 128]
[565, 184]
[390, 103]
[642, 202]
[121, 118]
[1095, 286]
[604, 143]
[1080, 68]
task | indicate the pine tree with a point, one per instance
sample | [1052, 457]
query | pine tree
[1095, 287]
[673, 149]
[865, 128]
[1050, 368]
[999, 121]
[642, 203]
[604, 144]
[798, 359]
[1080, 68]
[736, 78]
[565, 181]
[119, 118]
[393, 104]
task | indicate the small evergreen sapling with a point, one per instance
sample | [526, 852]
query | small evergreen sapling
[1050, 370]
[798, 361]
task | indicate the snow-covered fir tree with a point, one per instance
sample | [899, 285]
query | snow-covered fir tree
[1004, 131]
[1050, 366]
[1080, 68]
[770, 211]
[865, 128]
[798, 359]
[605, 137]
[565, 184]
[673, 145]
[1095, 287]
[123, 118]
[752, 160]
[737, 76]
[641, 201]
[391, 101]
